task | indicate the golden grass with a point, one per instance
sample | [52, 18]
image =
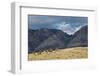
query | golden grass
[68, 53]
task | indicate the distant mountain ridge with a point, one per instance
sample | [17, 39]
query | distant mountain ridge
[46, 39]
[80, 38]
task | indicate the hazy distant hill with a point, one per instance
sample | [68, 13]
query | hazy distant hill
[44, 39]
[80, 38]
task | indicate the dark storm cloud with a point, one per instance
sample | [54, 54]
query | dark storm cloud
[67, 24]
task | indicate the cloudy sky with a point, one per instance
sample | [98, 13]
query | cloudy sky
[68, 24]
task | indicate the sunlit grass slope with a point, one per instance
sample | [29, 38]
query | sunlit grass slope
[68, 53]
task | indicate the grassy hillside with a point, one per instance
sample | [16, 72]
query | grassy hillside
[68, 53]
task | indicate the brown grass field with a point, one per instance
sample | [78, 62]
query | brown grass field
[69, 53]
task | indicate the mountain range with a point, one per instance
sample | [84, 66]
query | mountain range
[51, 39]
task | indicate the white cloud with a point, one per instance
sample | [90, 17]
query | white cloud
[66, 27]
[79, 27]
